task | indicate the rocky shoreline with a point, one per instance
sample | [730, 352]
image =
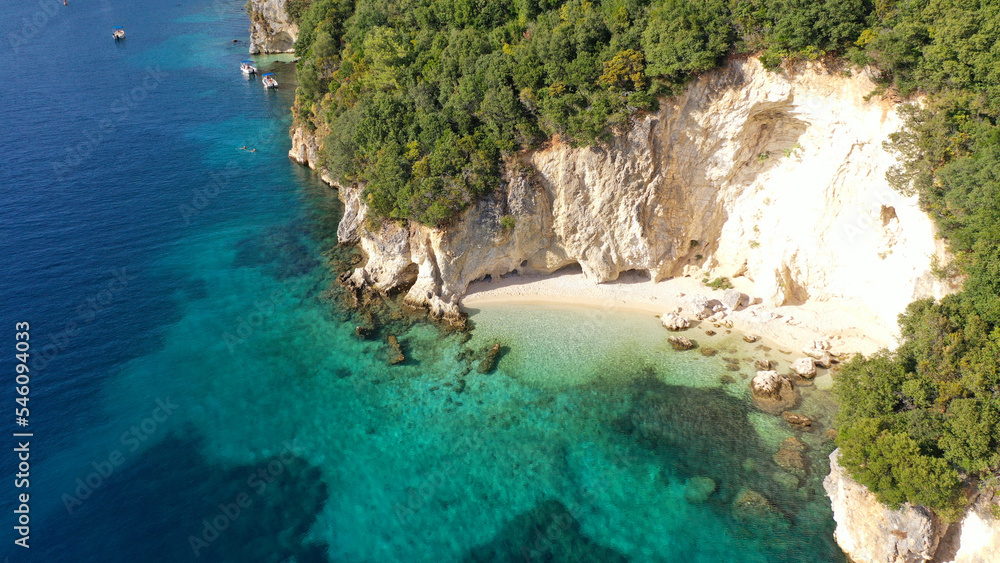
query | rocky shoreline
[771, 179]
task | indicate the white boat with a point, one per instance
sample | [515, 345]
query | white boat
[118, 33]
[269, 81]
[246, 67]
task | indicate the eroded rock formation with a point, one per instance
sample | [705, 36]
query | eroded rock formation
[271, 28]
[777, 177]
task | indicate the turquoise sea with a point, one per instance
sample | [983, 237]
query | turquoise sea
[198, 391]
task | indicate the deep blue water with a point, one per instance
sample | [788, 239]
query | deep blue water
[195, 394]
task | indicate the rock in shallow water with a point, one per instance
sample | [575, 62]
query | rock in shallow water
[490, 361]
[804, 367]
[698, 489]
[773, 392]
[396, 356]
[681, 343]
[791, 460]
[797, 421]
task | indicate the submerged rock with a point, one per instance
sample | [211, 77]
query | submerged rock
[773, 392]
[396, 356]
[804, 367]
[764, 365]
[791, 460]
[698, 489]
[793, 443]
[749, 338]
[490, 361]
[797, 421]
[547, 532]
[681, 343]
[708, 352]
[673, 321]
[749, 502]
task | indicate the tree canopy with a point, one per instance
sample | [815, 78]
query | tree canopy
[425, 97]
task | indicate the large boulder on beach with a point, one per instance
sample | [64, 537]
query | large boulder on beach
[822, 358]
[772, 392]
[702, 307]
[804, 367]
[673, 321]
[734, 300]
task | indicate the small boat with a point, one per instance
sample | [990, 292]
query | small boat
[118, 33]
[269, 81]
[247, 68]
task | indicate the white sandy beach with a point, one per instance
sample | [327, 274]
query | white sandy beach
[850, 328]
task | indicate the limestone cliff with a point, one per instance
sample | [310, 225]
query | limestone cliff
[271, 28]
[777, 177]
[870, 532]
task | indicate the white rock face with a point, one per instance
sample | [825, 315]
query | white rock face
[868, 531]
[978, 536]
[271, 28]
[776, 177]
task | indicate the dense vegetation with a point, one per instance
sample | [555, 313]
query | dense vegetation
[423, 98]
[919, 422]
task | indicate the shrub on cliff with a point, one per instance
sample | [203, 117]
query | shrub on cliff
[912, 420]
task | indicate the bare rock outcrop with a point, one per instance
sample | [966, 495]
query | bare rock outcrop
[870, 532]
[271, 28]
